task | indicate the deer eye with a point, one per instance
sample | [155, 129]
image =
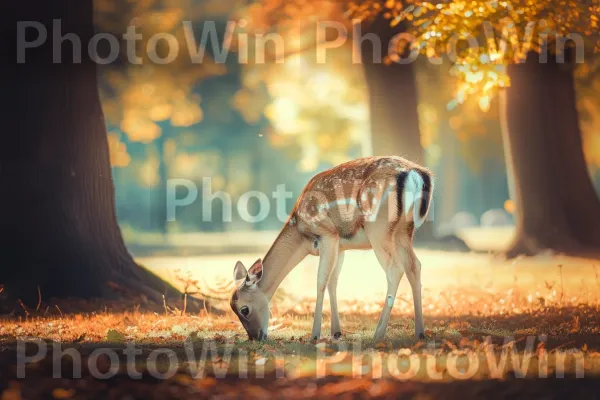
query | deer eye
[245, 311]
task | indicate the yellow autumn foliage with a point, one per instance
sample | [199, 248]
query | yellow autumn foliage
[118, 151]
[316, 111]
[138, 97]
[497, 33]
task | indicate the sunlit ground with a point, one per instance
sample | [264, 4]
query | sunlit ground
[517, 285]
[477, 308]
[361, 278]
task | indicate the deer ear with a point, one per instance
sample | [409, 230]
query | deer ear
[239, 272]
[255, 273]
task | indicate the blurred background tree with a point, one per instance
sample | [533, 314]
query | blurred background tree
[148, 104]
[251, 125]
[557, 207]
[463, 145]
[388, 86]
[61, 238]
[587, 81]
[232, 121]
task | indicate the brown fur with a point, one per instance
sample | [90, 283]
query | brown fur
[353, 179]
[342, 199]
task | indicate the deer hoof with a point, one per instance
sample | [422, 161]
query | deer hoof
[337, 335]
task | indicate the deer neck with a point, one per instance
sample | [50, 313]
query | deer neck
[286, 253]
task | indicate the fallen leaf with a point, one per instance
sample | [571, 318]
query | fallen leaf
[220, 338]
[114, 336]
[183, 379]
[575, 327]
[60, 393]
[13, 392]
[80, 338]
[205, 383]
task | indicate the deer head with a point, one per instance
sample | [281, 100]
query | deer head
[248, 302]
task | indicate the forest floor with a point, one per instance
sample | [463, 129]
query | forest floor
[495, 329]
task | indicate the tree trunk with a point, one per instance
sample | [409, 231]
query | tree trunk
[449, 174]
[58, 232]
[393, 97]
[393, 101]
[558, 208]
[394, 117]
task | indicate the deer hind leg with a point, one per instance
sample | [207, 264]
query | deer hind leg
[380, 238]
[412, 267]
[336, 329]
[393, 274]
[328, 252]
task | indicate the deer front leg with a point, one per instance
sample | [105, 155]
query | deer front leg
[328, 253]
[336, 329]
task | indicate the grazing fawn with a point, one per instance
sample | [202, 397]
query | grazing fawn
[369, 203]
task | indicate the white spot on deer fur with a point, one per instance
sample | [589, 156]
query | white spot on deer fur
[323, 207]
[390, 301]
[340, 202]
